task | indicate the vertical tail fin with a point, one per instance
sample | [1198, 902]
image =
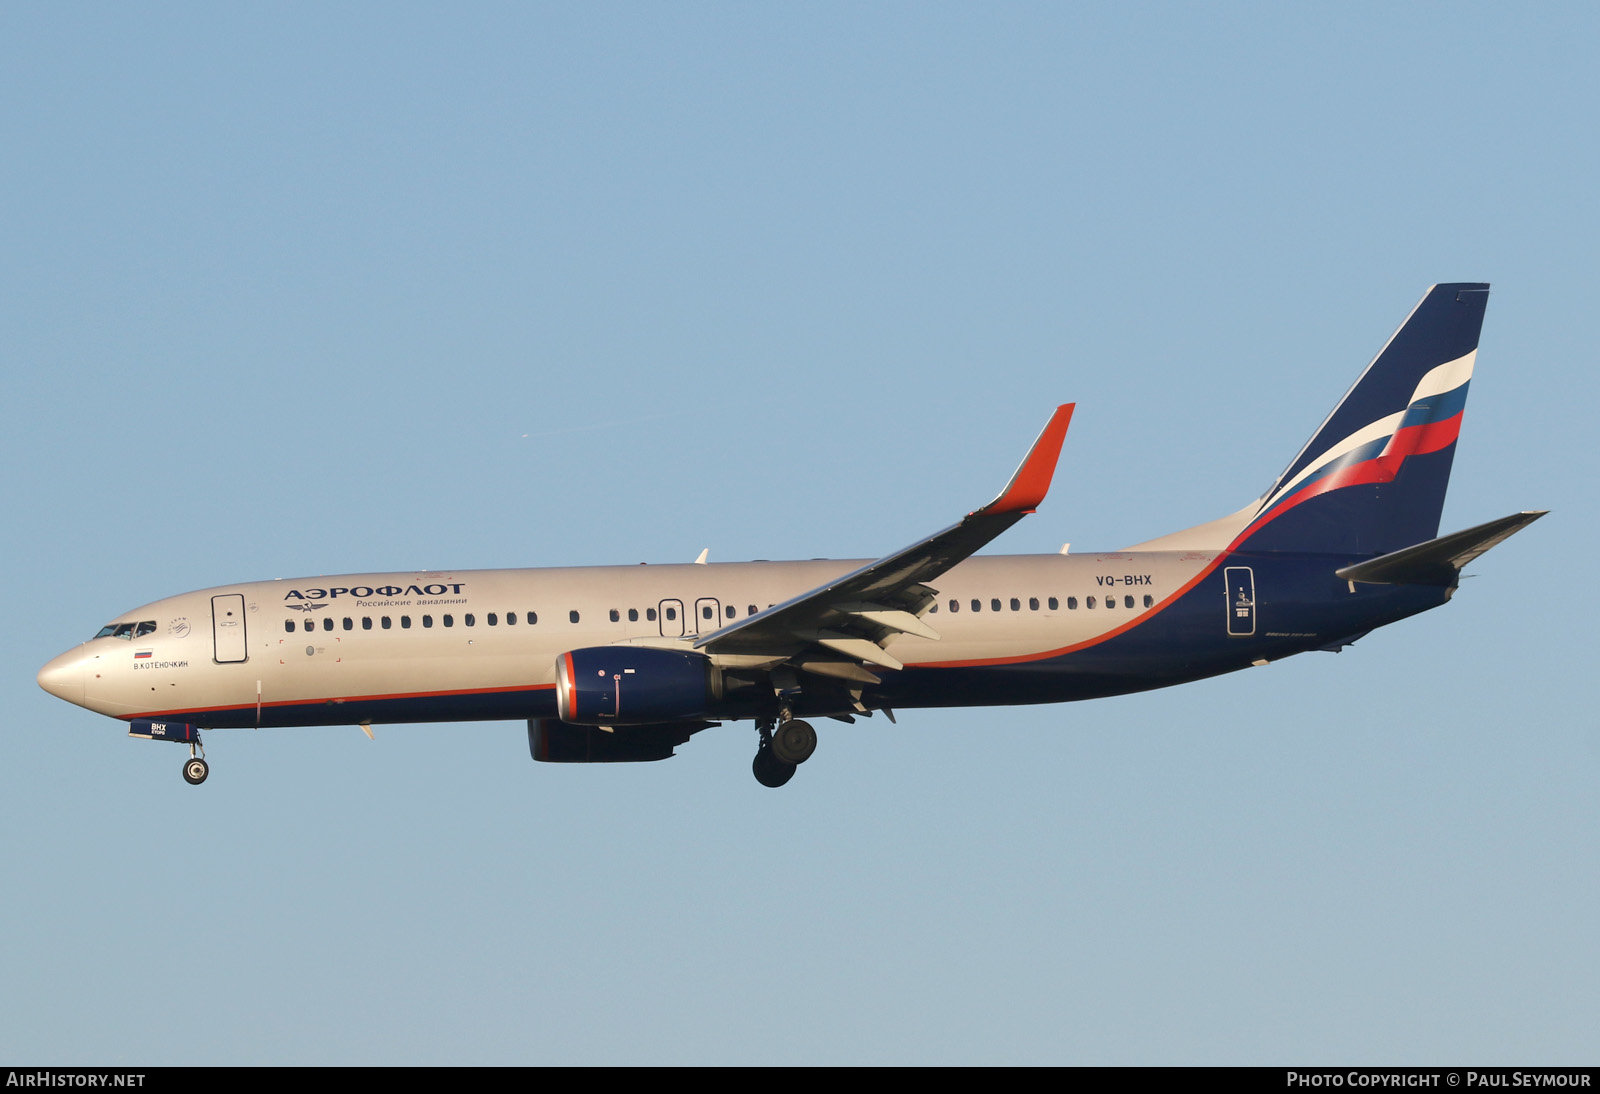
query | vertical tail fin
[1372, 478]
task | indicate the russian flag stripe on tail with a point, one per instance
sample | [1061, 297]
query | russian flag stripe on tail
[1372, 479]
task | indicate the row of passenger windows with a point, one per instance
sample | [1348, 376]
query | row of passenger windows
[510, 619]
[386, 622]
[995, 604]
[494, 619]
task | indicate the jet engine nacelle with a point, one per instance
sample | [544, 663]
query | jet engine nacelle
[634, 685]
[554, 742]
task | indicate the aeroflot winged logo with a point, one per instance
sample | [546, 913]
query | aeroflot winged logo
[364, 592]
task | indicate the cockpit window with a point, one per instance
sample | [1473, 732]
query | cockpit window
[127, 631]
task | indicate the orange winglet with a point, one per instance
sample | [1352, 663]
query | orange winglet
[1031, 483]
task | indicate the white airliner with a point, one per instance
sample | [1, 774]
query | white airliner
[625, 663]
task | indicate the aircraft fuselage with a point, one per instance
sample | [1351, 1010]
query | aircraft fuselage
[483, 644]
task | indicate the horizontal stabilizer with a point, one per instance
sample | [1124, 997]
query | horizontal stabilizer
[1438, 561]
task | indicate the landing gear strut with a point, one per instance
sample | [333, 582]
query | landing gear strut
[195, 768]
[782, 750]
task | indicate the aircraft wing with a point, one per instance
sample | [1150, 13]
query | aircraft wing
[833, 628]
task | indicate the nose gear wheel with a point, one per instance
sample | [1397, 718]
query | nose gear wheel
[195, 768]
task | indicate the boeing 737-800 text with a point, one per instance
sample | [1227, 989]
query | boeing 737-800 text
[626, 663]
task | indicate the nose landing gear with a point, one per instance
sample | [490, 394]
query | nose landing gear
[195, 768]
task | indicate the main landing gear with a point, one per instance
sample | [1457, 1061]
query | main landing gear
[782, 750]
[195, 768]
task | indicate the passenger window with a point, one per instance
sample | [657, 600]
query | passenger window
[288, 625]
[1072, 603]
[572, 616]
[1033, 603]
[672, 614]
[511, 619]
[731, 611]
[1016, 605]
[427, 621]
[309, 624]
[705, 612]
[1088, 602]
[471, 620]
[533, 617]
[994, 604]
[633, 615]
[1111, 602]
[448, 620]
[751, 610]
[493, 619]
[955, 605]
[349, 624]
[616, 616]
[1127, 602]
[405, 622]
[650, 614]
[327, 623]
[1056, 604]
[386, 623]
[1149, 601]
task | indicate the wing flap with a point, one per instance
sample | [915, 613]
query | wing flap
[900, 622]
[861, 649]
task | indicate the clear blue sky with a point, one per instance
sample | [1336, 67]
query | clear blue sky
[303, 289]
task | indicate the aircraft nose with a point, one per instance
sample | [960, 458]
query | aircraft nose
[63, 677]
